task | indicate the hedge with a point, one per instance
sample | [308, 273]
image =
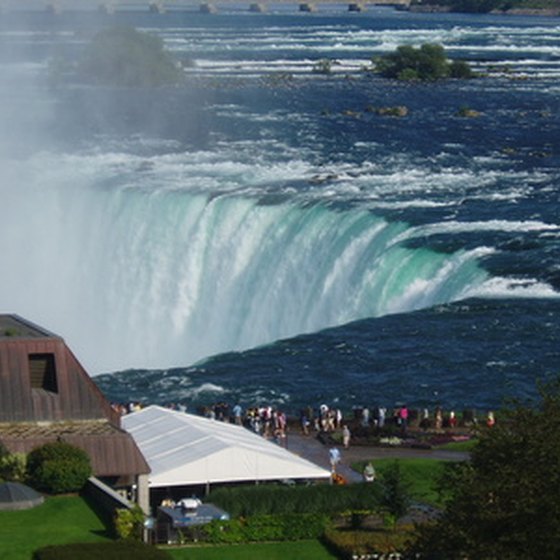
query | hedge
[259, 528]
[105, 550]
[349, 544]
[275, 499]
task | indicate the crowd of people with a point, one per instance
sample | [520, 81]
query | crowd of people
[272, 422]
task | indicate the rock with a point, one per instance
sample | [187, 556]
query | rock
[397, 111]
[468, 113]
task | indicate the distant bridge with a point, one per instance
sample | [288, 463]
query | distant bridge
[162, 6]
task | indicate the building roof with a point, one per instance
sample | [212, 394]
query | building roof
[46, 395]
[14, 495]
[183, 449]
[42, 381]
[112, 451]
[14, 326]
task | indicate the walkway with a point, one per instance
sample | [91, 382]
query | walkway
[310, 448]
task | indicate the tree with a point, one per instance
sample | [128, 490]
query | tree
[505, 503]
[58, 467]
[395, 499]
[127, 57]
[427, 63]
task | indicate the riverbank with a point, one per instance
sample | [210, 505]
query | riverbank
[443, 9]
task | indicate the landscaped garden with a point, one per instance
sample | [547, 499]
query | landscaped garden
[500, 504]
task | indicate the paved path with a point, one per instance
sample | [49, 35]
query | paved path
[310, 448]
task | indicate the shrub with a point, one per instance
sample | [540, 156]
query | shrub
[129, 523]
[13, 466]
[106, 551]
[396, 492]
[460, 69]
[58, 467]
[260, 528]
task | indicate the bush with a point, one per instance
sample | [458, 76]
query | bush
[12, 466]
[129, 523]
[106, 551]
[260, 528]
[460, 69]
[58, 467]
[396, 491]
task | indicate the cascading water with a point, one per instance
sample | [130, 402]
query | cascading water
[159, 277]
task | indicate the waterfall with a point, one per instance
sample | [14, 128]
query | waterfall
[143, 277]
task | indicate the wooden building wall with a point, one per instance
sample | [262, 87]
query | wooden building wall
[76, 396]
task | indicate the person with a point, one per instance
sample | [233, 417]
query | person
[381, 412]
[338, 418]
[369, 473]
[452, 420]
[334, 456]
[438, 422]
[403, 417]
[425, 422]
[346, 436]
[365, 417]
[490, 419]
[237, 414]
[304, 421]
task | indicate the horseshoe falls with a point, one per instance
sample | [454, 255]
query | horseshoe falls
[261, 233]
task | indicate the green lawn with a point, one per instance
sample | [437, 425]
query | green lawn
[421, 474]
[59, 520]
[466, 445]
[301, 550]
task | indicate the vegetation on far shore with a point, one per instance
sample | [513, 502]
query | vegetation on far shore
[486, 6]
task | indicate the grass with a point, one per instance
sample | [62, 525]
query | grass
[422, 475]
[60, 520]
[310, 550]
[466, 445]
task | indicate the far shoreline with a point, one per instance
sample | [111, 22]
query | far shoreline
[442, 9]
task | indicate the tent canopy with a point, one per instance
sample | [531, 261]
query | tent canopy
[14, 495]
[183, 449]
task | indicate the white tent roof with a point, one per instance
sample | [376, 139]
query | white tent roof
[183, 449]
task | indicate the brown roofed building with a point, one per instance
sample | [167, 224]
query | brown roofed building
[46, 395]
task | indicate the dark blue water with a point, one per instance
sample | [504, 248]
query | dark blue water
[477, 353]
[264, 223]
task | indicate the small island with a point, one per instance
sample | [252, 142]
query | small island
[426, 63]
